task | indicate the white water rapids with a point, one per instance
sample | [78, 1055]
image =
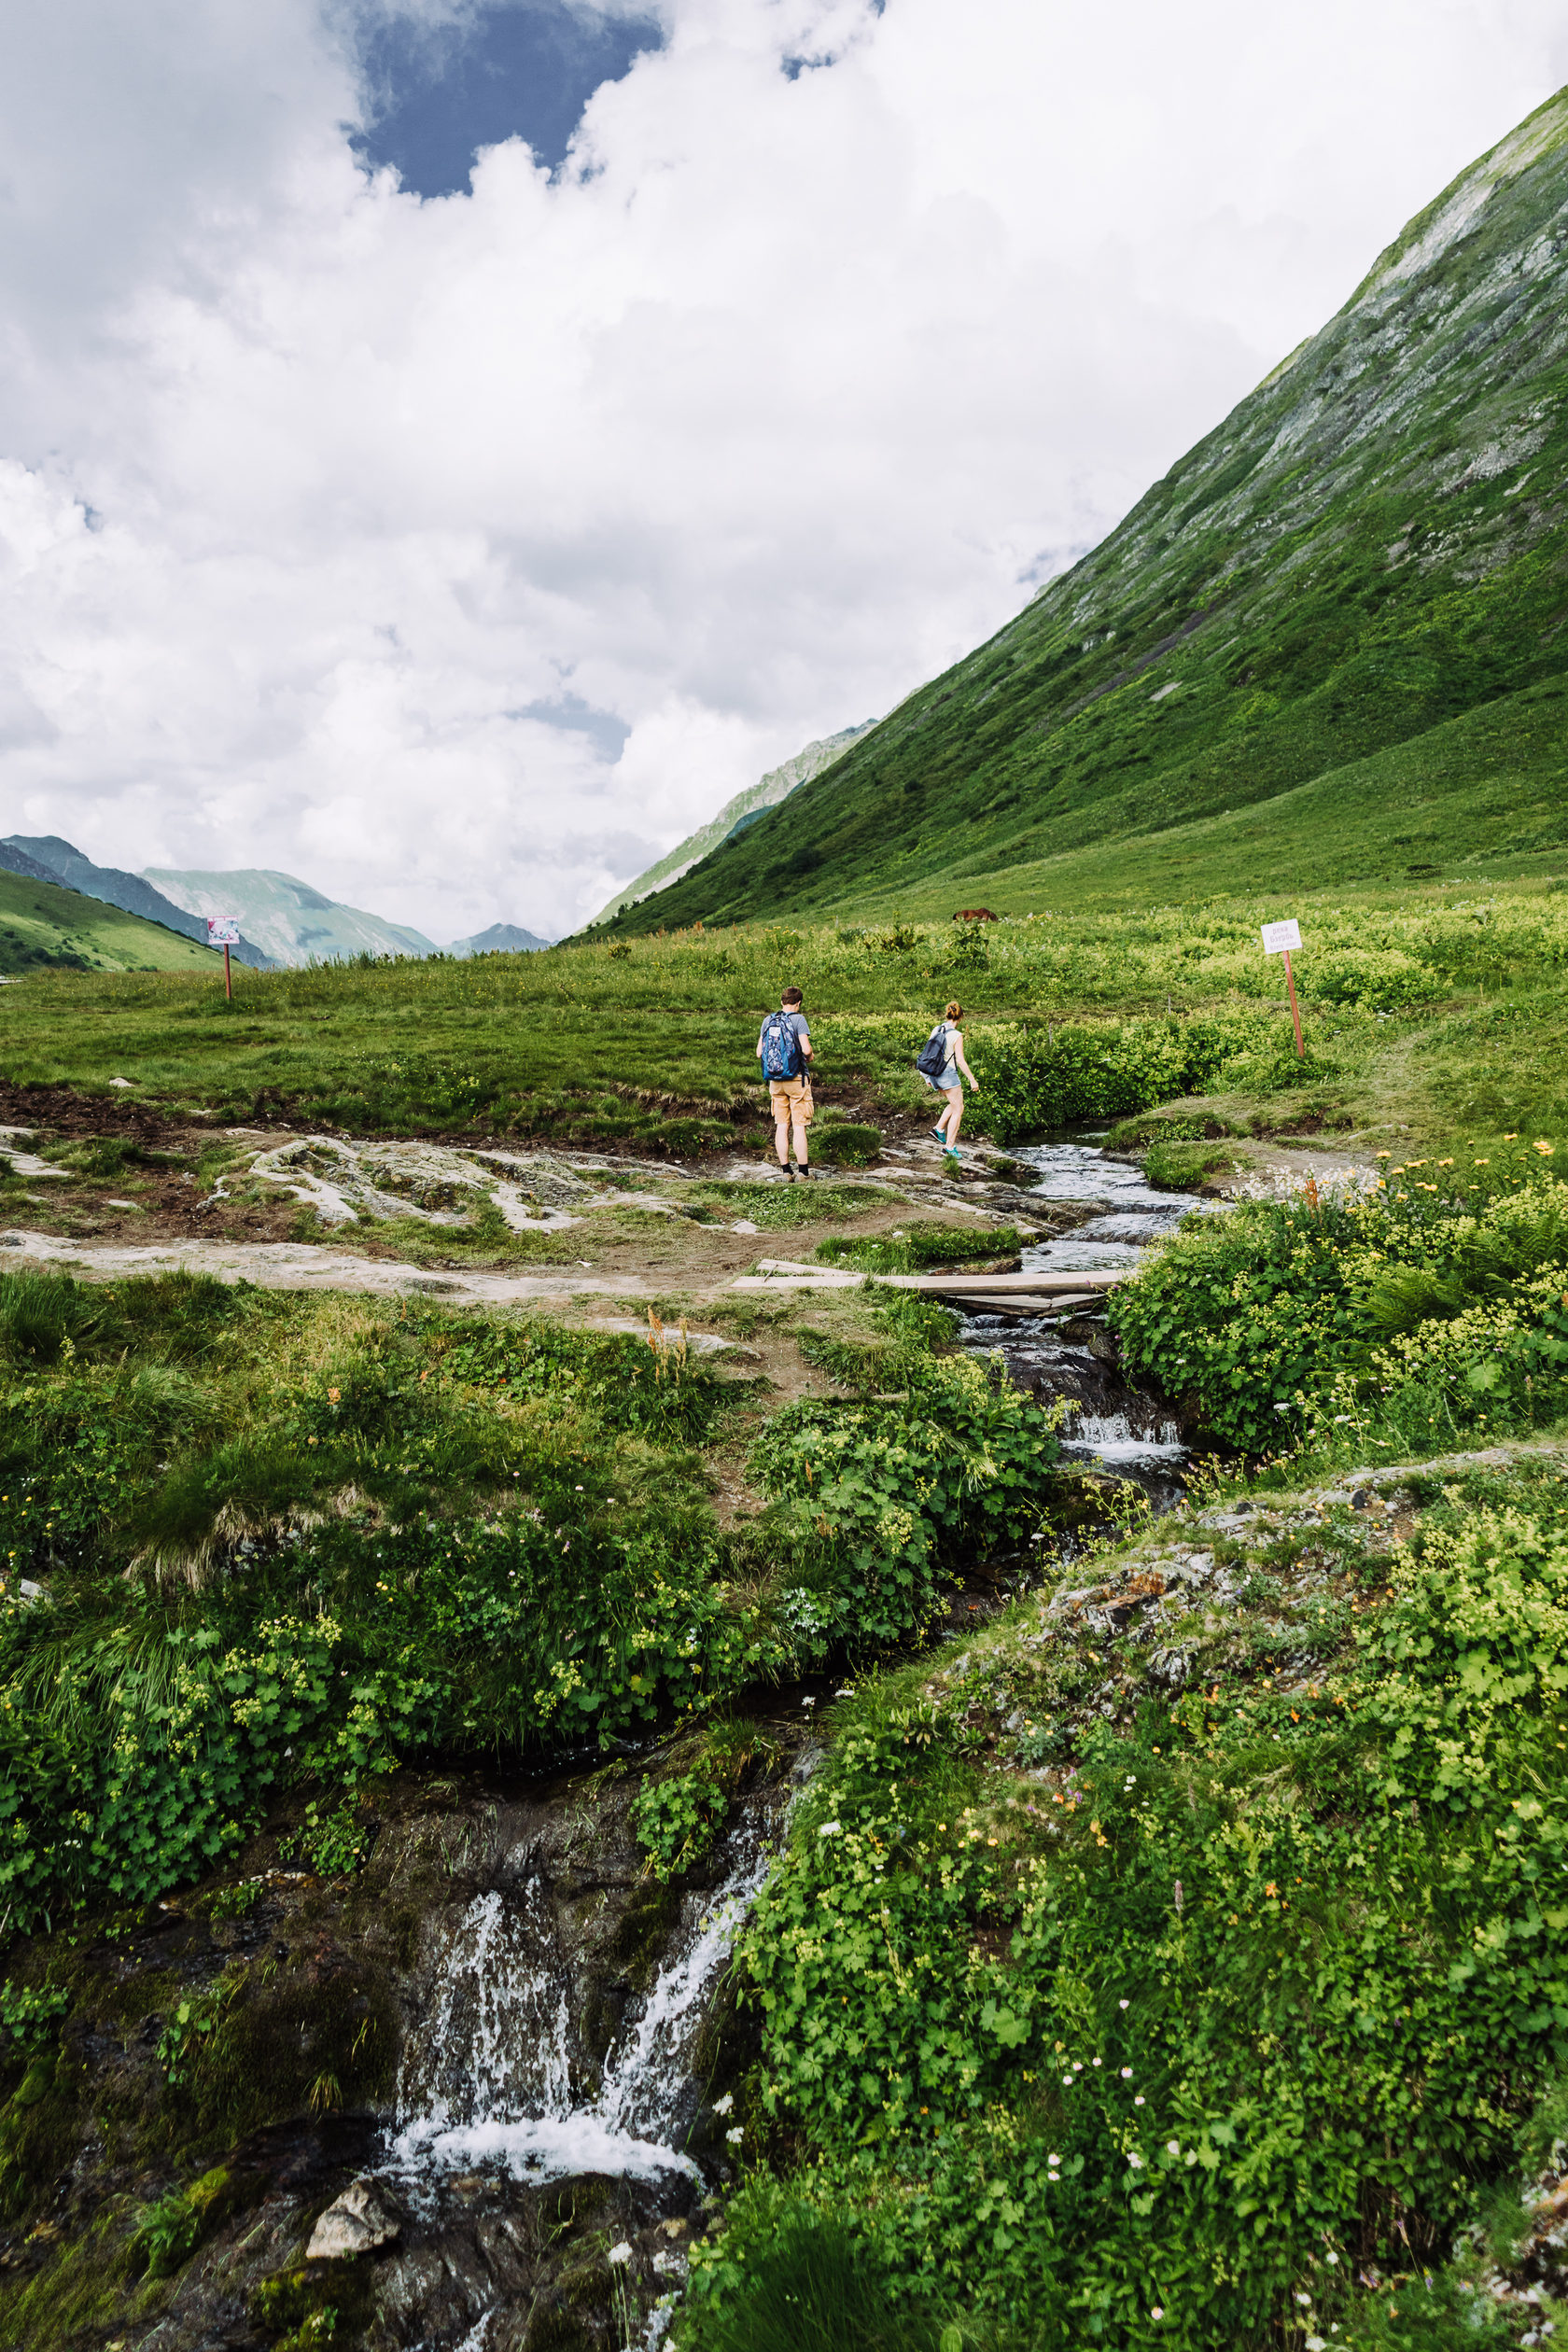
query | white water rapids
[488, 2083]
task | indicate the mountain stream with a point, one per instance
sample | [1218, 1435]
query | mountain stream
[1109, 1425]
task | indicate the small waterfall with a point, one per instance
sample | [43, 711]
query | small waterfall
[497, 2038]
[489, 2080]
[647, 2079]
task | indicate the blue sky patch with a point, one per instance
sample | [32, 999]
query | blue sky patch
[522, 68]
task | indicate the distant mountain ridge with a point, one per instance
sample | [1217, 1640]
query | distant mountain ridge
[501, 939]
[298, 924]
[295, 923]
[49, 859]
[736, 815]
[1371, 545]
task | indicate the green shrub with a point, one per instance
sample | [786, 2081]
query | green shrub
[1059, 1076]
[875, 1500]
[1434, 1303]
[789, 2277]
[846, 1143]
[172, 2230]
[29, 2013]
[920, 1248]
[677, 1820]
[1174, 1166]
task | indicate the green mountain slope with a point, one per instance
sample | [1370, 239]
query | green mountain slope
[42, 924]
[736, 814]
[1482, 797]
[1372, 544]
[59, 861]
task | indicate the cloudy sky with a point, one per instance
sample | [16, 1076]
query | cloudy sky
[457, 532]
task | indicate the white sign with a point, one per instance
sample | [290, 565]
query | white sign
[223, 930]
[1276, 937]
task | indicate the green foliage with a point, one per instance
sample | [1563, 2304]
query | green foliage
[791, 2277]
[29, 2013]
[1078, 1073]
[335, 1842]
[1435, 1304]
[237, 1901]
[677, 1819]
[372, 1535]
[188, 2025]
[1183, 2050]
[920, 1248]
[874, 1500]
[1176, 1167]
[172, 2230]
[846, 1143]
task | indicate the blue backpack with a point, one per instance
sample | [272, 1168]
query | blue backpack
[931, 1060]
[781, 1048]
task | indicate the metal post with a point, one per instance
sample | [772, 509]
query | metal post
[228, 985]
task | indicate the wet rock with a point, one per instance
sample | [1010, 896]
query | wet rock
[360, 2222]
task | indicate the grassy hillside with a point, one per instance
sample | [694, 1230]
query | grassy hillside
[1371, 546]
[43, 927]
[1482, 798]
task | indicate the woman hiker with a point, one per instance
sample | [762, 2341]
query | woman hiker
[949, 1029]
[784, 1050]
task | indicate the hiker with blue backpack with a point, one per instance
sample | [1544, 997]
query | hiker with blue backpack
[784, 1050]
[940, 1063]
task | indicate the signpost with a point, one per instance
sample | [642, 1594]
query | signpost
[1277, 940]
[223, 930]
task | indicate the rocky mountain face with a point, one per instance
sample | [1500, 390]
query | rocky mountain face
[294, 923]
[49, 859]
[1373, 543]
[737, 817]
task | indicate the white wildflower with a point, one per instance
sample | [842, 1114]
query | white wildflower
[621, 2253]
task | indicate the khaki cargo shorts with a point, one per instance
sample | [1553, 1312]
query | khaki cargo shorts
[792, 1100]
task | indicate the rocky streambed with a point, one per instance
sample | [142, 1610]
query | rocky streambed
[503, 2053]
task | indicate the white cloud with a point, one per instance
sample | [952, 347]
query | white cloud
[777, 402]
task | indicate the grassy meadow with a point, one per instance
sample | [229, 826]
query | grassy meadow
[1430, 1013]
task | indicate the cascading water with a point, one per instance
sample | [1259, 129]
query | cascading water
[489, 2082]
[1106, 1422]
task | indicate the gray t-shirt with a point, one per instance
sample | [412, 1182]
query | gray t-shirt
[797, 1022]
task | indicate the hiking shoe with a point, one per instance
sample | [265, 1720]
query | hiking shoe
[941, 1134]
[804, 1176]
[786, 1171]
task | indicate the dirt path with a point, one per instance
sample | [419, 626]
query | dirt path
[310, 1266]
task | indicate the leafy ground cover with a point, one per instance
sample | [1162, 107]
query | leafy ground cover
[1110, 1999]
[280, 1540]
[1434, 1308]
